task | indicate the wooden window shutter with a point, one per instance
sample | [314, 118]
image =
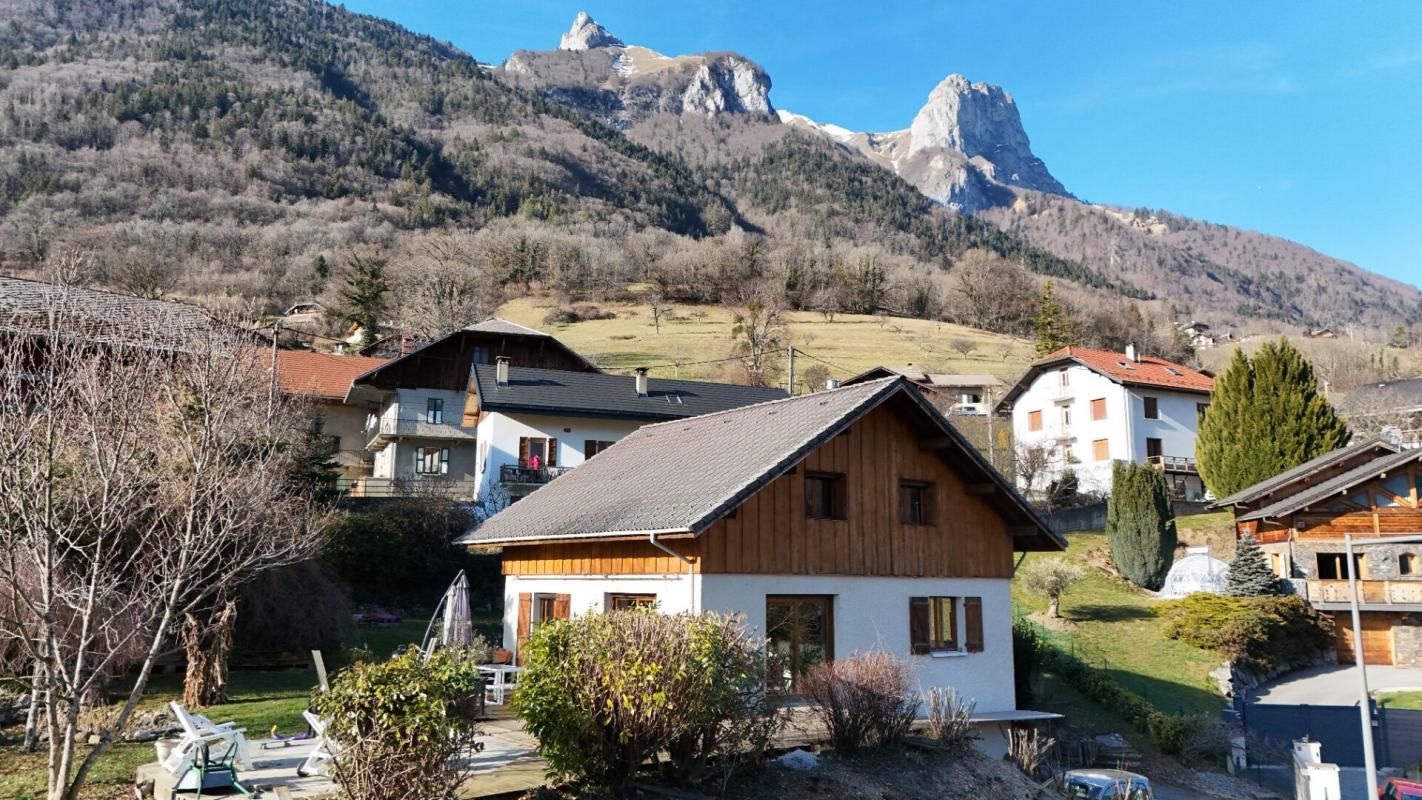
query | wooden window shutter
[562, 606]
[1098, 408]
[589, 448]
[525, 621]
[973, 621]
[839, 489]
[523, 451]
[552, 449]
[919, 626]
[1034, 420]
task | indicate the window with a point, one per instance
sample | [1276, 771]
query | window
[1200, 409]
[1063, 378]
[1101, 449]
[531, 447]
[1034, 420]
[1408, 564]
[1334, 566]
[824, 495]
[432, 461]
[1152, 408]
[945, 624]
[1154, 448]
[592, 447]
[622, 602]
[914, 505]
[673, 398]
[434, 411]
[1098, 409]
[1066, 418]
[481, 356]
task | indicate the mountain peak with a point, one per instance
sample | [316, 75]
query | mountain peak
[587, 34]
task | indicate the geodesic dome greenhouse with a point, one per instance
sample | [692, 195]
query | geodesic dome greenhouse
[1198, 571]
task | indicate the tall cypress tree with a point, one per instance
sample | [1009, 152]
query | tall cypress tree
[1266, 416]
[1140, 524]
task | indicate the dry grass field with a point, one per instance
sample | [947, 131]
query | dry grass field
[848, 344]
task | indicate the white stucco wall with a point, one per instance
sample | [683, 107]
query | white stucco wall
[499, 433]
[872, 613]
[1125, 427]
[675, 593]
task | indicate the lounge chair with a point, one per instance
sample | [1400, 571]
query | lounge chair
[324, 752]
[208, 754]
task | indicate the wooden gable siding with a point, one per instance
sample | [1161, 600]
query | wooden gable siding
[770, 533]
[1368, 510]
[599, 558]
[445, 364]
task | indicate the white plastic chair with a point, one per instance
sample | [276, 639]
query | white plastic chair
[323, 753]
[205, 748]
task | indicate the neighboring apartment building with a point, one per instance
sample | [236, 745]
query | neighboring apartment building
[324, 379]
[1080, 409]
[495, 410]
[965, 394]
[854, 519]
[1372, 490]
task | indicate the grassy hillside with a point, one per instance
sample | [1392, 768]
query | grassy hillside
[1111, 625]
[850, 343]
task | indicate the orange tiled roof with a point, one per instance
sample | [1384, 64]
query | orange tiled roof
[1149, 371]
[320, 375]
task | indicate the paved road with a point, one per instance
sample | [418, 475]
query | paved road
[1334, 685]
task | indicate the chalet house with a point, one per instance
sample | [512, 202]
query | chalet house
[848, 520]
[495, 410]
[1199, 334]
[324, 379]
[1082, 409]
[1300, 518]
[970, 394]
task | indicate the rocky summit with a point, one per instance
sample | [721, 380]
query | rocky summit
[587, 34]
[594, 71]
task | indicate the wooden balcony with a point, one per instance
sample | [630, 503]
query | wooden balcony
[1176, 464]
[388, 429]
[1371, 593]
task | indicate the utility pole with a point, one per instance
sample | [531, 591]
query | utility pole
[790, 371]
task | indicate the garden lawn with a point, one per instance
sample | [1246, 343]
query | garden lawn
[850, 343]
[1112, 627]
[1408, 700]
[260, 701]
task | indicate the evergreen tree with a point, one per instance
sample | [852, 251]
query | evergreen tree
[1249, 575]
[1052, 325]
[364, 293]
[1266, 416]
[312, 465]
[1140, 524]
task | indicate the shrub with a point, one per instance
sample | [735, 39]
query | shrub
[1049, 577]
[603, 693]
[1262, 632]
[1140, 524]
[950, 718]
[401, 726]
[865, 700]
[1027, 657]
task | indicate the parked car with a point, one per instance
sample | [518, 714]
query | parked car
[1401, 789]
[1105, 784]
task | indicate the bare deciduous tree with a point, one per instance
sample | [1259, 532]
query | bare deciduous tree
[135, 485]
[758, 333]
[1031, 460]
[448, 285]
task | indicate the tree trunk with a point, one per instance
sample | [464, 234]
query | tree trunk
[1054, 608]
[207, 647]
[32, 713]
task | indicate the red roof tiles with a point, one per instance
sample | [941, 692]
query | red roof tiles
[1148, 371]
[320, 375]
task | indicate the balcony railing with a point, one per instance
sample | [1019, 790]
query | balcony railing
[513, 473]
[432, 486]
[1173, 464]
[1370, 592]
[387, 429]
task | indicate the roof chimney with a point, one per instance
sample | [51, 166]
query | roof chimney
[1131, 354]
[501, 371]
[831, 384]
[641, 381]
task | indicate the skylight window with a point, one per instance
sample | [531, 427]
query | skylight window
[1124, 365]
[674, 399]
[1173, 372]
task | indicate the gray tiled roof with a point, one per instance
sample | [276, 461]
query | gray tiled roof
[556, 391]
[102, 317]
[682, 476]
[1303, 470]
[1336, 485]
[501, 325]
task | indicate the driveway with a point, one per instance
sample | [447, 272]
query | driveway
[1334, 685]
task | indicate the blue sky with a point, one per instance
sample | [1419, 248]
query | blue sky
[1300, 119]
